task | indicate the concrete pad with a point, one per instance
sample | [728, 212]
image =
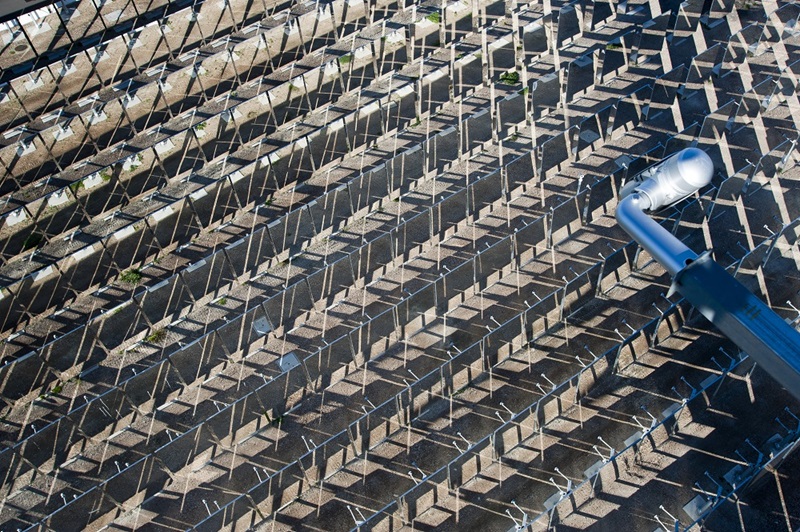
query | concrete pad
[697, 507]
[262, 326]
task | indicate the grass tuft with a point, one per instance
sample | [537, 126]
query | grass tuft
[132, 276]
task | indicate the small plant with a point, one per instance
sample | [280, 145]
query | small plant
[343, 60]
[201, 126]
[268, 202]
[459, 391]
[105, 175]
[132, 276]
[222, 301]
[510, 78]
[135, 162]
[157, 336]
[524, 91]
[76, 186]
[57, 388]
[613, 46]
[434, 17]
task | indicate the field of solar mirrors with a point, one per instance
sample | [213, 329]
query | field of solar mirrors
[353, 265]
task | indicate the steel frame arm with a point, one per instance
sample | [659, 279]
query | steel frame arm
[724, 301]
[744, 318]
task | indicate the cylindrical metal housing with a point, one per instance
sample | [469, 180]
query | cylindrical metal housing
[681, 174]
